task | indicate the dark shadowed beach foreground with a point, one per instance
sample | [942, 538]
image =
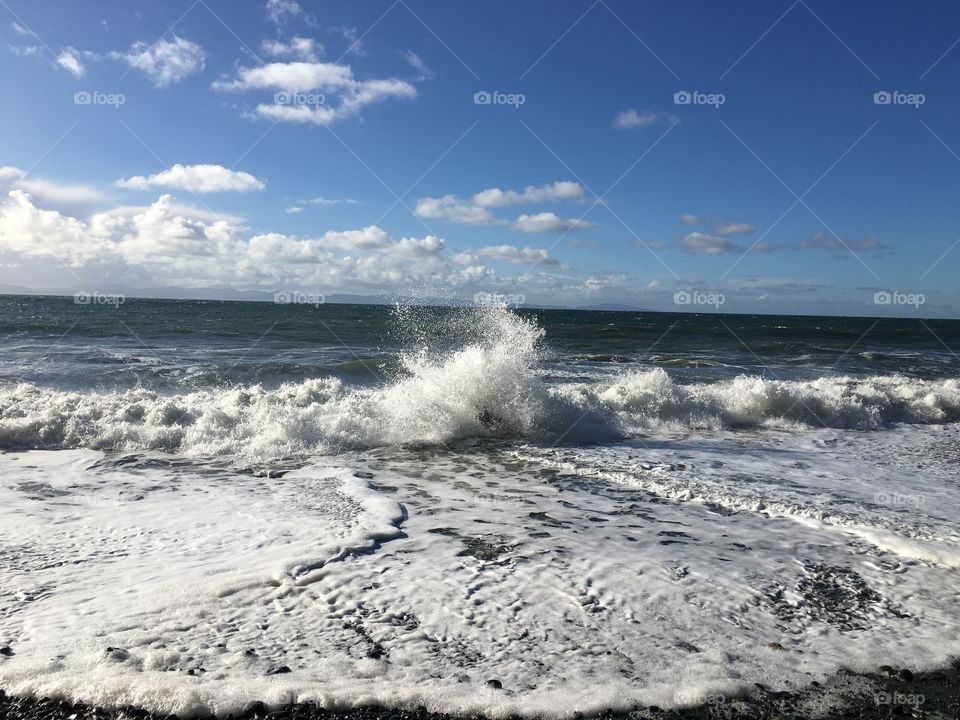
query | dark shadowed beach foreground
[890, 693]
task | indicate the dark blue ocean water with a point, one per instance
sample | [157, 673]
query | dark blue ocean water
[176, 344]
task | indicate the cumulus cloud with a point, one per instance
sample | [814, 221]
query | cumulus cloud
[736, 229]
[548, 222]
[195, 178]
[553, 192]
[451, 209]
[166, 61]
[297, 48]
[697, 243]
[515, 255]
[159, 233]
[69, 60]
[334, 92]
[689, 219]
[633, 120]
[166, 244]
[476, 211]
[171, 245]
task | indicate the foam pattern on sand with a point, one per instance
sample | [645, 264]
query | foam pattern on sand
[574, 579]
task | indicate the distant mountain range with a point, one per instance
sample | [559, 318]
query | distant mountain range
[176, 293]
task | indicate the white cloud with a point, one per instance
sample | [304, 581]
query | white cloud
[632, 120]
[517, 256]
[46, 191]
[548, 222]
[299, 48]
[417, 63]
[164, 244]
[325, 82]
[165, 62]
[352, 38]
[171, 245]
[553, 192]
[294, 210]
[69, 60]
[605, 281]
[21, 30]
[736, 229]
[62, 194]
[281, 11]
[27, 51]
[291, 77]
[195, 178]
[697, 243]
[451, 209]
[689, 219]
[476, 210]
[332, 201]
[466, 258]
[30, 232]
[368, 238]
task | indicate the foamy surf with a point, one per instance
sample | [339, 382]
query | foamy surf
[492, 386]
[193, 590]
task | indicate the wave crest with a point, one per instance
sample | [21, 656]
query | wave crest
[485, 381]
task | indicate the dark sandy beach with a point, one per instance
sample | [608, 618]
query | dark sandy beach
[889, 693]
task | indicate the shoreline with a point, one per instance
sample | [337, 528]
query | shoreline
[887, 693]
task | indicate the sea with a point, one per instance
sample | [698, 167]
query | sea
[472, 509]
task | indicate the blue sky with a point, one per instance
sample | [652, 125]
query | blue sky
[343, 147]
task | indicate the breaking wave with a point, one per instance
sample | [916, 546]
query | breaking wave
[480, 377]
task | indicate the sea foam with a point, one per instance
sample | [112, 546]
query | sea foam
[482, 378]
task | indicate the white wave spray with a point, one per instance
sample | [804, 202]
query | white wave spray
[476, 374]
